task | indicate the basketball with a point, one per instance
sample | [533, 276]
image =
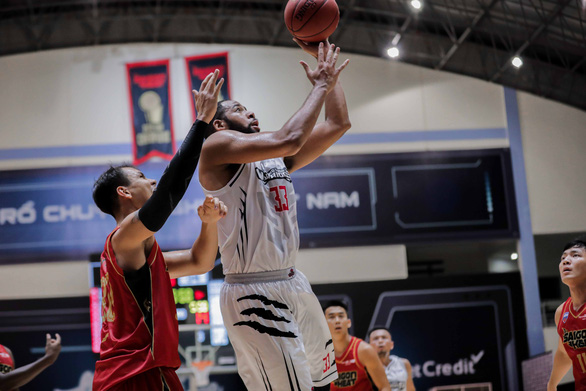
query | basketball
[312, 20]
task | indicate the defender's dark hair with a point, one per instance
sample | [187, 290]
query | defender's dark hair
[335, 303]
[220, 114]
[104, 191]
[575, 243]
[375, 328]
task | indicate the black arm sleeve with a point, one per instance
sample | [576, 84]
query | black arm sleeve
[175, 180]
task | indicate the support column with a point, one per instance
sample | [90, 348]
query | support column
[528, 262]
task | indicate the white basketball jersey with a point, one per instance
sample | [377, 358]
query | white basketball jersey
[397, 374]
[260, 232]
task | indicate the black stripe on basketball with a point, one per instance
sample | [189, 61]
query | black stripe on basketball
[308, 19]
[313, 35]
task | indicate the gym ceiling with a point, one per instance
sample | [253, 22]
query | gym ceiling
[477, 38]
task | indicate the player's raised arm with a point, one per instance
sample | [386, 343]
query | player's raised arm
[237, 146]
[23, 375]
[141, 224]
[326, 133]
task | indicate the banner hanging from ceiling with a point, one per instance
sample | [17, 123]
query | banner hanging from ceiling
[150, 110]
[198, 67]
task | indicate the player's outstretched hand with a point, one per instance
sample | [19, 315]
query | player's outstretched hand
[326, 72]
[212, 210]
[310, 48]
[53, 347]
[206, 99]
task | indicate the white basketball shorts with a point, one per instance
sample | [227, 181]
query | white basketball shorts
[278, 330]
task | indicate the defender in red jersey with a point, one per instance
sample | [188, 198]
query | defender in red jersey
[358, 364]
[570, 319]
[11, 378]
[139, 322]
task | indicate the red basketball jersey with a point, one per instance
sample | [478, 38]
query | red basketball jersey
[6, 363]
[352, 374]
[572, 331]
[139, 320]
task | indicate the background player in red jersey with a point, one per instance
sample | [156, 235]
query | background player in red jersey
[11, 378]
[139, 323]
[570, 318]
[358, 364]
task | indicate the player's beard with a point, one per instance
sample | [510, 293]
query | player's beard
[240, 128]
[382, 354]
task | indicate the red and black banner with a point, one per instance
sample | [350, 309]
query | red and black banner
[150, 110]
[198, 67]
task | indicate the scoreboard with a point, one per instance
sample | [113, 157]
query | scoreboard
[191, 299]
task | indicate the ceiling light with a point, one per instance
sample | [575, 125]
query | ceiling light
[514, 256]
[393, 52]
[416, 4]
[517, 62]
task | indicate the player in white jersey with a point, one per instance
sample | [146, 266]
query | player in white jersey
[398, 369]
[274, 320]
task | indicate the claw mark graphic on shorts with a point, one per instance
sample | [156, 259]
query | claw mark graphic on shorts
[266, 330]
[265, 314]
[265, 300]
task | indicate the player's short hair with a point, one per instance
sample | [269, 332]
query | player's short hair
[220, 114]
[104, 191]
[375, 328]
[575, 243]
[335, 303]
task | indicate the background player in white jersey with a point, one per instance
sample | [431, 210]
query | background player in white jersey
[398, 369]
[274, 320]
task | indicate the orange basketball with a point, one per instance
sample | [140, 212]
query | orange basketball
[312, 20]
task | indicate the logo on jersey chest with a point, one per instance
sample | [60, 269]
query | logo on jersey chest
[273, 173]
[565, 317]
[5, 368]
[352, 361]
[576, 339]
[346, 379]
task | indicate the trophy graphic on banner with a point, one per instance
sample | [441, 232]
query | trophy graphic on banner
[153, 131]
